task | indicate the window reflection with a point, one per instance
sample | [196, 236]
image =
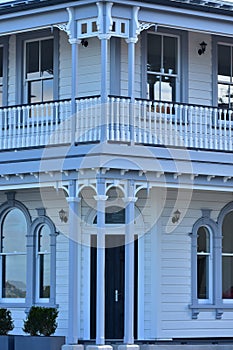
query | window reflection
[227, 257]
[43, 261]
[13, 254]
[203, 263]
[39, 70]
[162, 67]
[225, 76]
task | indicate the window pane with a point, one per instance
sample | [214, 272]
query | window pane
[227, 230]
[202, 277]
[227, 277]
[223, 95]
[153, 86]
[167, 88]
[203, 241]
[47, 90]
[170, 54]
[47, 57]
[14, 230]
[32, 57]
[0, 96]
[44, 276]
[14, 276]
[224, 63]
[1, 62]
[35, 91]
[44, 239]
[154, 53]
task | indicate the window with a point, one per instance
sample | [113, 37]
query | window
[227, 257]
[39, 70]
[204, 268]
[13, 255]
[225, 76]
[162, 67]
[1, 75]
[43, 262]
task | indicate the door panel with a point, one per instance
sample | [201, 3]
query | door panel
[114, 287]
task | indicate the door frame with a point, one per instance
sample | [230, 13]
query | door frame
[85, 259]
[93, 288]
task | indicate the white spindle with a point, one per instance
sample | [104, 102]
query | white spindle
[148, 106]
[200, 127]
[230, 131]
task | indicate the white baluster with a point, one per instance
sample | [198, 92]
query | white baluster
[148, 107]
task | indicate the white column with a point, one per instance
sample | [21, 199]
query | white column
[129, 265]
[104, 85]
[100, 285]
[73, 307]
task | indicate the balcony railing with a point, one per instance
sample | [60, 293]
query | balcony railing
[143, 122]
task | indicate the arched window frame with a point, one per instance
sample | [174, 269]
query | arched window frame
[37, 224]
[226, 210]
[206, 222]
[5, 208]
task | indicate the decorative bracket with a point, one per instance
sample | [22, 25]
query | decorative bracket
[66, 27]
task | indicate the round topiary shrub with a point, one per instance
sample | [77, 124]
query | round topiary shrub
[41, 321]
[6, 323]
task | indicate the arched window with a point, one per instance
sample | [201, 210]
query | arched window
[204, 267]
[13, 254]
[43, 264]
[227, 256]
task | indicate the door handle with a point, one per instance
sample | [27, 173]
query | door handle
[116, 295]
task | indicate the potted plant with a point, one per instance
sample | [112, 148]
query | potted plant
[40, 324]
[6, 325]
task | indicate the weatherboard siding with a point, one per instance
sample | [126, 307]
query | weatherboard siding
[200, 70]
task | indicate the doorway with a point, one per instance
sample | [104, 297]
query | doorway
[114, 286]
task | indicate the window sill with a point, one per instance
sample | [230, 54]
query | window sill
[196, 308]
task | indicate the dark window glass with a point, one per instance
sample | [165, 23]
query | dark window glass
[227, 256]
[1, 62]
[47, 57]
[32, 57]
[203, 263]
[44, 261]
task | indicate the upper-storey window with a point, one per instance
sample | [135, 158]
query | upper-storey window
[1, 75]
[39, 70]
[162, 67]
[225, 76]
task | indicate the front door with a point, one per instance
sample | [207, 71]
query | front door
[114, 286]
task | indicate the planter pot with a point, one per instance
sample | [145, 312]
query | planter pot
[6, 342]
[38, 343]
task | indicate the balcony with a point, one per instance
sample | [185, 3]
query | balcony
[143, 122]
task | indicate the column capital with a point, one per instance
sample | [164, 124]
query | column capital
[74, 41]
[73, 199]
[101, 198]
[132, 40]
[106, 36]
[130, 199]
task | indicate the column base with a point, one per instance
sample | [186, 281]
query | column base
[128, 347]
[99, 347]
[72, 347]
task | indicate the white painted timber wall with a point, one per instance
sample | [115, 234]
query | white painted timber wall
[124, 69]
[65, 73]
[200, 70]
[53, 201]
[89, 68]
[175, 317]
[12, 71]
